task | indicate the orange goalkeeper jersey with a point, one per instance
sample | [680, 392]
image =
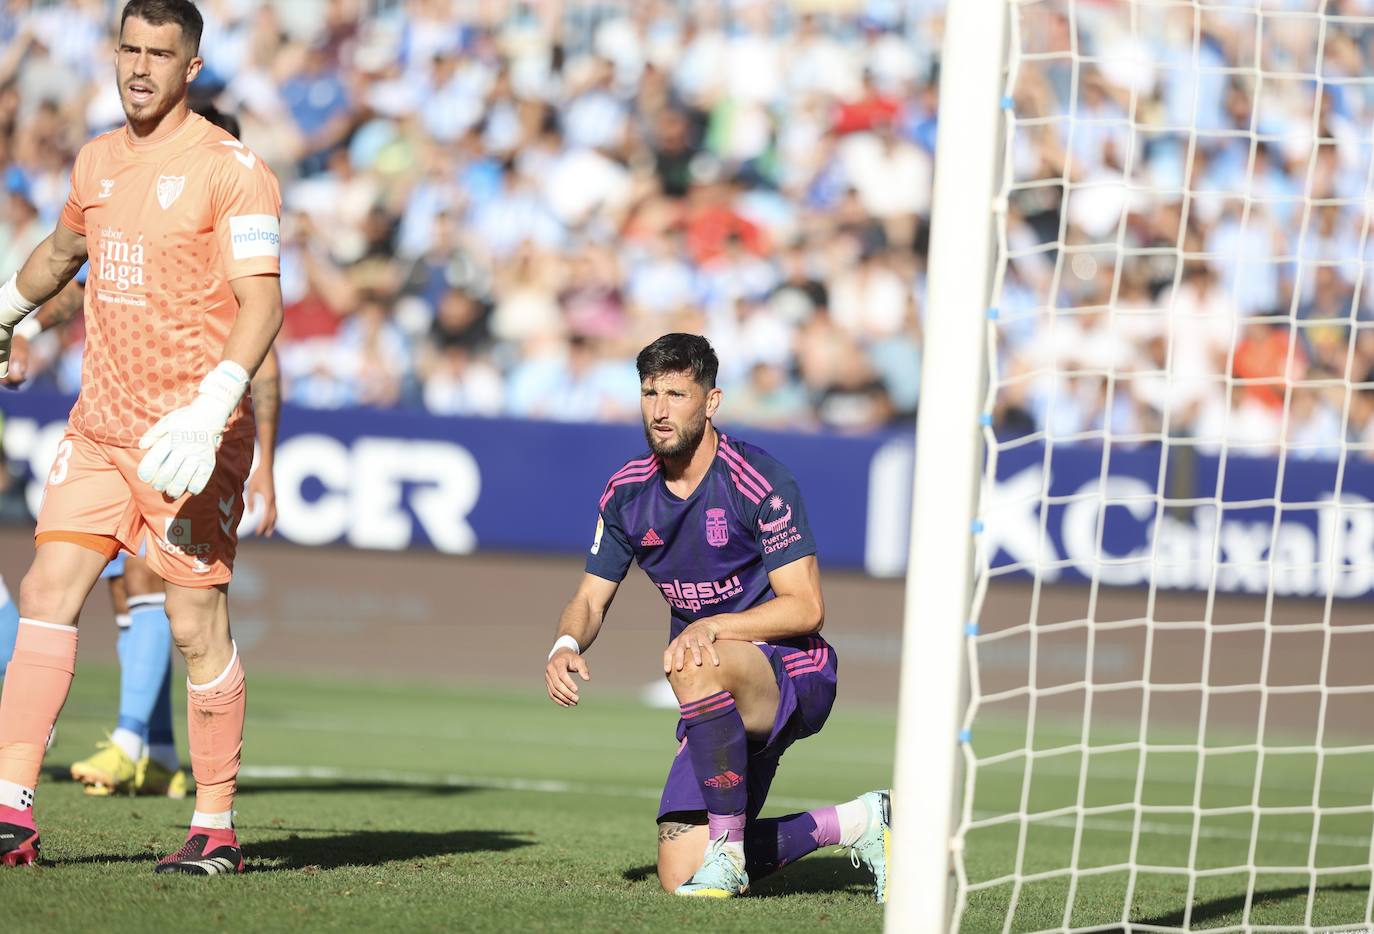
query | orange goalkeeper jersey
[168, 225]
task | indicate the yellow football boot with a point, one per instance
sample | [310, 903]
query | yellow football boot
[154, 778]
[109, 771]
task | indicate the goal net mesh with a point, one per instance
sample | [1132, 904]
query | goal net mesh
[1171, 654]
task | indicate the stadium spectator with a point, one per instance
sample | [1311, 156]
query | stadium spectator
[503, 200]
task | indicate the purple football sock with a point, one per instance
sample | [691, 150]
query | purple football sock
[772, 843]
[720, 755]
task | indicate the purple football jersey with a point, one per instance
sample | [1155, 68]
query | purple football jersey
[709, 553]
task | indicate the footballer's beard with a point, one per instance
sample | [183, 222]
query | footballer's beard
[147, 112]
[684, 443]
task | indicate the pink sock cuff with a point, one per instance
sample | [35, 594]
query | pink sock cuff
[732, 825]
[716, 703]
[827, 832]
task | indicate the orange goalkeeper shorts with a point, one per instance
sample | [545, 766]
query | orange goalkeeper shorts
[94, 488]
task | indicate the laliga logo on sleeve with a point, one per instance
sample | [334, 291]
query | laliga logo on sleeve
[717, 528]
[169, 188]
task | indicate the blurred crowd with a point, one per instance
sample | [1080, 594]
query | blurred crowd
[1204, 273]
[490, 207]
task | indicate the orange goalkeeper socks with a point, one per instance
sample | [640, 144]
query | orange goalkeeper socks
[214, 715]
[36, 685]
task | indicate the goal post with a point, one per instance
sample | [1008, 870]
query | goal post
[969, 154]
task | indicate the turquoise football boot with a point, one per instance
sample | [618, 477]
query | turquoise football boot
[874, 846]
[722, 875]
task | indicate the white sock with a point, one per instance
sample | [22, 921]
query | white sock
[15, 796]
[853, 821]
[165, 755]
[129, 741]
[221, 820]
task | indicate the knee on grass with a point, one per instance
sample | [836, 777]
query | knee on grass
[681, 847]
[670, 877]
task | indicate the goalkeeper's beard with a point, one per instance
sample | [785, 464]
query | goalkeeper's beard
[685, 445]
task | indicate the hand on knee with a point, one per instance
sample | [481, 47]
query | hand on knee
[694, 681]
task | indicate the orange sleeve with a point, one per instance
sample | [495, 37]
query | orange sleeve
[247, 216]
[73, 212]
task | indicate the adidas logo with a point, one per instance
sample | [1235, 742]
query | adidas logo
[650, 539]
[725, 779]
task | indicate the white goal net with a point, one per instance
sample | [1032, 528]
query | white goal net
[1169, 659]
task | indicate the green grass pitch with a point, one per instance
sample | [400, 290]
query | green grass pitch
[385, 806]
[1291, 778]
[373, 806]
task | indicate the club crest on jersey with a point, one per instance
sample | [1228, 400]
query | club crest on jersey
[169, 188]
[717, 528]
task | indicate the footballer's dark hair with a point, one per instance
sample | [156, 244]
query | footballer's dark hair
[162, 12]
[680, 353]
[225, 121]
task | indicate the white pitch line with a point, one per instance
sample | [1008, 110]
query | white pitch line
[1348, 841]
[1218, 777]
[486, 783]
[516, 738]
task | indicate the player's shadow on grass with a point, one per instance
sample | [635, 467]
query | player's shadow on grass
[372, 848]
[1216, 908]
[813, 874]
[328, 850]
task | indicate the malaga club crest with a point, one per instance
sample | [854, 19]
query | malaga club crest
[169, 188]
[717, 528]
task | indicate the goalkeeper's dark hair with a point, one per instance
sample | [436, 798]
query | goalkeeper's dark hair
[162, 12]
[680, 353]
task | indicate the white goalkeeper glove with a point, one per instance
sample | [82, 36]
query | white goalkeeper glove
[181, 446]
[13, 308]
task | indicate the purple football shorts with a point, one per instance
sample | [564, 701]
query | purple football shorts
[806, 674]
